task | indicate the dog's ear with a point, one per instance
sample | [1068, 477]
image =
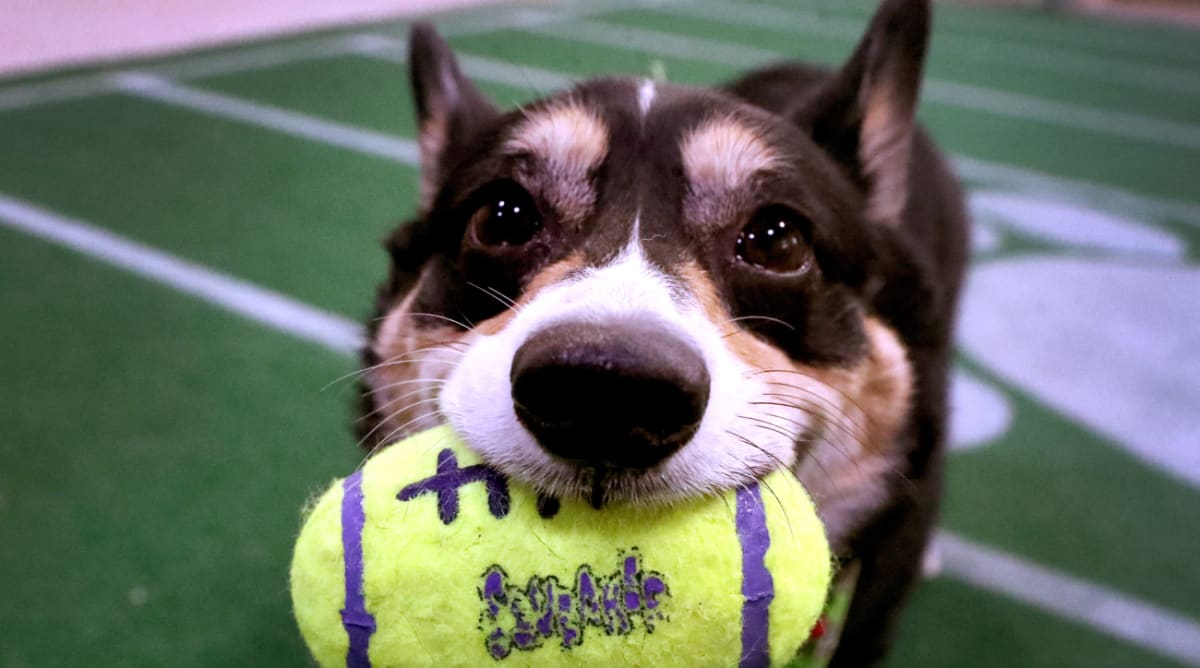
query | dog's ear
[450, 109]
[864, 115]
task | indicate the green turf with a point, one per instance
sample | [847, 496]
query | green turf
[357, 91]
[951, 625]
[152, 447]
[298, 216]
[946, 62]
[158, 448]
[1089, 513]
[1136, 43]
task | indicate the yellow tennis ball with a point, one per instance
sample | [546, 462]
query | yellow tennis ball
[427, 557]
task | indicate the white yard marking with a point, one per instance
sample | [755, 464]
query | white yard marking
[964, 96]
[987, 51]
[21, 96]
[248, 300]
[1075, 224]
[271, 55]
[979, 412]
[394, 49]
[273, 118]
[1110, 344]
[1049, 186]
[1150, 627]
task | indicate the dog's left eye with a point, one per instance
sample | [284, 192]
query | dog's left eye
[507, 216]
[775, 240]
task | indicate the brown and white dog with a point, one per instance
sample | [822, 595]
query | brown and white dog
[643, 291]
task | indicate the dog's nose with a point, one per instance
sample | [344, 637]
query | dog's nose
[621, 395]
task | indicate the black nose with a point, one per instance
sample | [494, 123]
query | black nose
[622, 396]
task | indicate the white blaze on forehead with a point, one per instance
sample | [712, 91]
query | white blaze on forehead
[723, 153]
[646, 93]
[568, 138]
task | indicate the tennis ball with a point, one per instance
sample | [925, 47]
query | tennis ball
[427, 557]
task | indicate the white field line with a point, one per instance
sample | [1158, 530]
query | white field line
[963, 96]
[273, 118]
[394, 49]
[1095, 195]
[21, 96]
[1153, 628]
[404, 150]
[1150, 627]
[984, 50]
[247, 300]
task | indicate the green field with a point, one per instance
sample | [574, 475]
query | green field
[186, 243]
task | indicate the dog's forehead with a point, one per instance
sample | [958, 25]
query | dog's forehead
[619, 118]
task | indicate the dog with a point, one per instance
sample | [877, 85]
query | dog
[639, 291]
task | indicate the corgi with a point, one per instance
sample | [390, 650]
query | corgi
[640, 291]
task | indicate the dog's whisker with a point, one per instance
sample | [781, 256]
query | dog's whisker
[770, 426]
[440, 346]
[845, 395]
[831, 415]
[432, 382]
[394, 401]
[495, 294]
[844, 425]
[765, 318]
[387, 439]
[437, 316]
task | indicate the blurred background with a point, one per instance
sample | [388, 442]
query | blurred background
[192, 196]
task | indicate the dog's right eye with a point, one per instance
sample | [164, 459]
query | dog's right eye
[507, 216]
[775, 239]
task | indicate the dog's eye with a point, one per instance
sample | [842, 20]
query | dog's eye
[774, 239]
[507, 216]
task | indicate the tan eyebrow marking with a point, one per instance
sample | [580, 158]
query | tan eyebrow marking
[566, 137]
[722, 153]
[565, 142]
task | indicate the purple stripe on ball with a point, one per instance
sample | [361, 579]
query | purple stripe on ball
[758, 589]
[359, 623]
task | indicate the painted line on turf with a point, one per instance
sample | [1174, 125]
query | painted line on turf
[1150, 627]
[378, 144]
[246, 299]
[404, 150]
[22, 96]
[1042, 29]
[978, 565]
[983, 50]
[964, 96]
[393, 49]
[1054, 187]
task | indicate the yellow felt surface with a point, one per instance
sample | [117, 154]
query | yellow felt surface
[424, 580]
[318, 579]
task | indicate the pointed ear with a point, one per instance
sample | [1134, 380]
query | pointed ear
[865, 114]
[449, 107]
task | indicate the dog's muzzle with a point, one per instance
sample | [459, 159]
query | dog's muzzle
[624, 395]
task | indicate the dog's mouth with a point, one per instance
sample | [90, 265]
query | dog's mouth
[618, 397]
